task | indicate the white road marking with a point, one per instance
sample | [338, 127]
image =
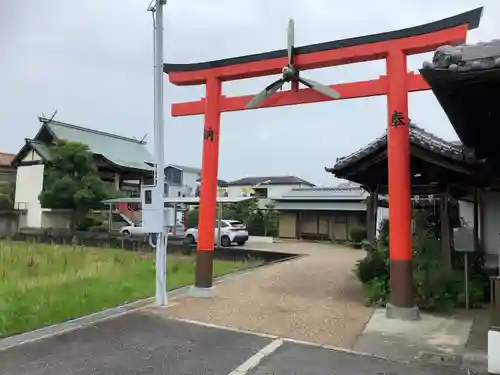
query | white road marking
[226, 328]
[254, 360]
[284, 339]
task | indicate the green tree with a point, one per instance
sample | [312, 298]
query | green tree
[271, 220]
[7, 193]
[242, 211]
[72, 181]
[192, 216]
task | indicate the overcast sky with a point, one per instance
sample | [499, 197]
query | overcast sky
[92, 60]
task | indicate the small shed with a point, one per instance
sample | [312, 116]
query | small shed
[322, 213]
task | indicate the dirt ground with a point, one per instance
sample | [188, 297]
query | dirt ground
[314, 298]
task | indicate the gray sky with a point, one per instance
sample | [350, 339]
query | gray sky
[92, 59]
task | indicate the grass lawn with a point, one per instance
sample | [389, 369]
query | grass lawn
[47, 284]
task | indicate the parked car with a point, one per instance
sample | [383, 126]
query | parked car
[232, 231]
[136, 230]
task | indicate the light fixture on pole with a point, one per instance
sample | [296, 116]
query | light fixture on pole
[158, 192]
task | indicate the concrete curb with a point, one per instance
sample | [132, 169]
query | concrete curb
[114, 312]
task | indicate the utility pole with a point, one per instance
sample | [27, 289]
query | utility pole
[161, 241]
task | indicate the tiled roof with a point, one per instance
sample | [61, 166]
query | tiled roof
[6, 159]
[466, 57]
[418, 137]
[122, 151]
[42, 149]
[335, 193]
[269, 180]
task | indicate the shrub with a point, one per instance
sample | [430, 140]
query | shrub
[383, 233]
[98, 228]
[192, 217]
[376, 291]
[434, 289]
[358, 234]
[374, 265]
[367, 245]
[7, 193]
[90, 221]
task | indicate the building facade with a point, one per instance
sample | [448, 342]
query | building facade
[182, 181]
[124, 162]
[265, 188]
[323, 213]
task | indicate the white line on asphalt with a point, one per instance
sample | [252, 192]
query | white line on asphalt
[226, 328]
[284, 339]
[254, 360]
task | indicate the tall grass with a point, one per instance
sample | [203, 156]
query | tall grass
[46, 284]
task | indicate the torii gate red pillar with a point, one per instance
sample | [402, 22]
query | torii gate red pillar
[396, 84]
[398, 155]
[208, 189]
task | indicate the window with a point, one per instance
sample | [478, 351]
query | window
[149, 181]
[165, 190]
[260, 193]
[147, 197]
[173, 176]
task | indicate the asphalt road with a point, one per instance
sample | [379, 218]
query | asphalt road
[139, 343]
[134, 344]
[294, 359]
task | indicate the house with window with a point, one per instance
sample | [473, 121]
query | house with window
[122, 161]
[265, 188]
[181, 180]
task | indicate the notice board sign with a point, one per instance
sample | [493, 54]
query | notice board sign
[463, 240]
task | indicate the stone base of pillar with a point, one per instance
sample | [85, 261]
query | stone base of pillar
[198, 292]
[402, 313]
[494, 352]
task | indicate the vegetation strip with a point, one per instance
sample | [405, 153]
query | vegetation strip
[46, 284]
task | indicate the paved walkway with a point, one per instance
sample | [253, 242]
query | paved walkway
[315, 298]
[144, 344]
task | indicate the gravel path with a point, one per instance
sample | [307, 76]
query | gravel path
[314, 298]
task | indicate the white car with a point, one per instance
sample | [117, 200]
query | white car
[232, 231]
[136, 230]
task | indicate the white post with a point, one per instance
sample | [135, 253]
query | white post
[161, 242]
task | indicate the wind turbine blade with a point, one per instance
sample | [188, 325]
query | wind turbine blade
[266, 93]
[325, 90]
[290, 40]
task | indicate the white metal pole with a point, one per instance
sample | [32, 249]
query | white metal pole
[161, 242]
[219, 224]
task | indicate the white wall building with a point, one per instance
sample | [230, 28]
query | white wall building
[265, 188]
[181, 180]
[121, 161]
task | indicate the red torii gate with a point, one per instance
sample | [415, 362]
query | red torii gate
[393, 47]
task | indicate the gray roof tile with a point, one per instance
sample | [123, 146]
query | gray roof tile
[335, 193]
[466, 57]
[42, 149]
[269, 180]
[122, 151]
[419, 137]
